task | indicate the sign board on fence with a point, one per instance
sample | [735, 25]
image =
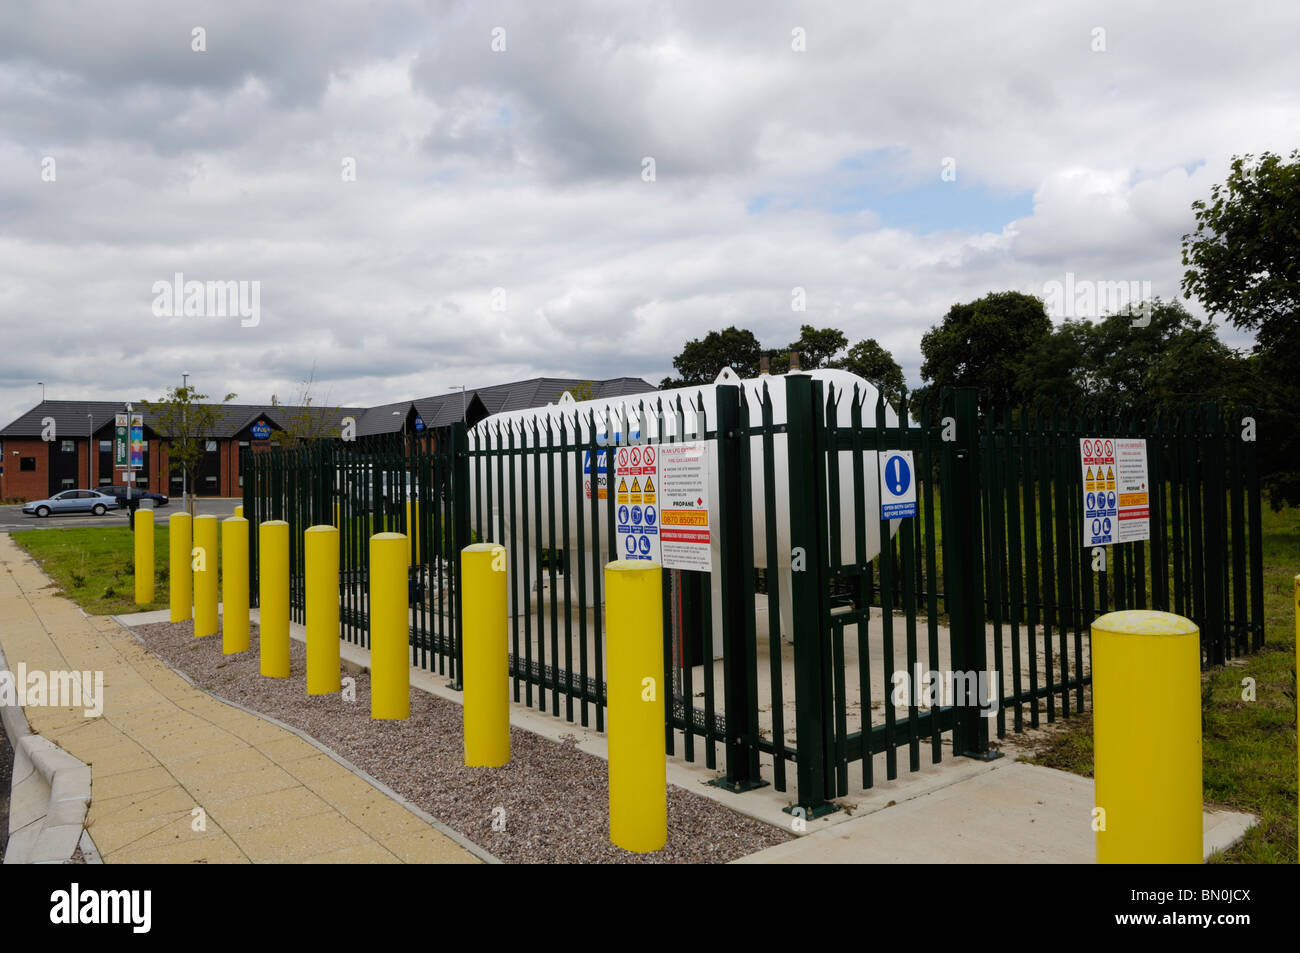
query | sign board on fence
[1133, 521]
[897, 484]
[1097, 455]
[122, 440]
[1116, 497]
[684, 506]
[637, 513]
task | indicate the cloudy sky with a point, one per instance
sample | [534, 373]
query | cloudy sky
[431, 194]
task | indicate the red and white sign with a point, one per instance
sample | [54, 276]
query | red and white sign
[685, 532]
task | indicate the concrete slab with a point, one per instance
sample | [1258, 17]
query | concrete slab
[1013, 813]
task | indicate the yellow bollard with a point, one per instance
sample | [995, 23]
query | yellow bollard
[239, 509]
[205, 575]
[321, 555]
[1146, 698]
[273, 597]
[485, 676]
[638, 771]
[234, 585]
[390, 628]
[180, 579]
[143, 557]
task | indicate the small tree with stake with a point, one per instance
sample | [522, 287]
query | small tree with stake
[184, 422]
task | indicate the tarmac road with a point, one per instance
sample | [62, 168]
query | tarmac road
[12, 517]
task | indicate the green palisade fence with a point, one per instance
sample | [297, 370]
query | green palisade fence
[991, 574]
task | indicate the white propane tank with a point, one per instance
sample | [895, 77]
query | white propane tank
[636, 419]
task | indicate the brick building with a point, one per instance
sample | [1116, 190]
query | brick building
[61, 444]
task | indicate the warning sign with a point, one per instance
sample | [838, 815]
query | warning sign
[684, 506]
[1133, 520]
[638, 519]
[1116, 497]
[1099, 501]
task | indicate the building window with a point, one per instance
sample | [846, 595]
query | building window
[27, 463]
[105, 446]
[211, 446]
[68, 482]
[68, 446]
[178, 479]
[212, 480]
[104, 481]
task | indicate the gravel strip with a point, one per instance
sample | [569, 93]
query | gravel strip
[554, 798]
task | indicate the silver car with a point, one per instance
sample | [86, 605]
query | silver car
[73, 501]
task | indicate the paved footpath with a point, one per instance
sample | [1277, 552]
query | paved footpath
[163, 748]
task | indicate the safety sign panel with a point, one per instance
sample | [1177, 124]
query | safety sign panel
[1100, 500]
[684, 500]
[1133, 519]
[637, 475]
[897, 484]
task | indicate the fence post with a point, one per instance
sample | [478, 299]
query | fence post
[807, 525]
[234, 586]
[205, 578]
[461, 537]
[738, 650]
[180, 581]
[1147, 738]
[963, 577]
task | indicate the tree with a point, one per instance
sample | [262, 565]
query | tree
[184, 422]
[302, 422]
[982, 343]
[1243, 262]
[872, 362]
[816, 348]
[1244, 258]
[581, 392]
[702, 360]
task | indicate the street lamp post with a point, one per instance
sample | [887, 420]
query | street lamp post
[185, 377]
[90, 450]
[42, 383]
[463, 406]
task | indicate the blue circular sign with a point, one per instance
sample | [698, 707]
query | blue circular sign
[1092, 501]
[419, 423]
[631, 543]
[1110, 501]
[636, 516]
[645, 545]
[622, 514]
[1096, 527]
[1106, 525]
[650, 516]
[260, 430]
[898, 475]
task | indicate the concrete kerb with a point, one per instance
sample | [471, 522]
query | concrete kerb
[148, 618]
[48, 799]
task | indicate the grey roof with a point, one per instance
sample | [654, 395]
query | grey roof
[436, 411]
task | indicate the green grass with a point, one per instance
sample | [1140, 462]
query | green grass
[95, 565]
[1249, 746]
